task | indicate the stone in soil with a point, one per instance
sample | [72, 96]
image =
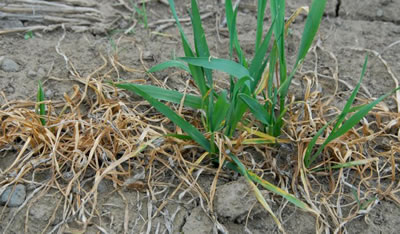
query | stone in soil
[235, 200]
[16, 198]
[8, 24]
[198, 222]
[8, 65]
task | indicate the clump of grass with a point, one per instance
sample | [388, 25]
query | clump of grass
[224, 109]
[265, 76]
[341, 126]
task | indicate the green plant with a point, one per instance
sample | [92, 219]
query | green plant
[271, 110]
[41, 108]
[142, 12]
[341, 126]
[28, 35]
[223, 110]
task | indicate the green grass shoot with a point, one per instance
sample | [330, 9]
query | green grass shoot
[141, 12]
[341, 126]
[28, 35]
[41, 108]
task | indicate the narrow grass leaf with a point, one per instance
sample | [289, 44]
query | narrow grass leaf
[224, 65]
[196, 72]
[351, 99]
[237, 108]
[277, 8]
[307, 160]
[42, 107]
[264, 135]
[172, 7]
[169, 64]
[200, 41]
[355, 118]
[293, 17]
[311, 27]
[260, 141]
[164, 94]
[239, 86]
[264, 203]
[220, 109]
[258, 65]
[349, 124]
[365, 205]
[229, 20]
[349, 164]
[256, 141]
[175, 118]
[210, 111]
[272, 61]
[260, 21]
[280, 192]
[180, 136]
[278, 13]
[310, 30]
[231, 16]
[239, 167]
[258, 110]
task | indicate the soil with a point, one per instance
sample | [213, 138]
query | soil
[348, 31]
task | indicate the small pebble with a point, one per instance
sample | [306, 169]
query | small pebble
[9, 65]
[197, 222]
[48, 93]
[147, 55]
[68, 175]
[123, 24]
[326, 72]
[31, 74]
[234, 200]
[379, 13]
[17, 197]
[41, 72]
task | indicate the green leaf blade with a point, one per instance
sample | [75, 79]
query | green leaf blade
[200, 41]
[191, 101]
[42, 107]
[239, 167]
[169, 64]
[224, 65]
[231, 16]
[176, 119]
[258, 64]
[196, 72]
[311, 27]
[356, 117]
[351, 99]
[259, 111]
[260, 21]
[220, 110]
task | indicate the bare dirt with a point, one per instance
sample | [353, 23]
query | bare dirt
[349, 30]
